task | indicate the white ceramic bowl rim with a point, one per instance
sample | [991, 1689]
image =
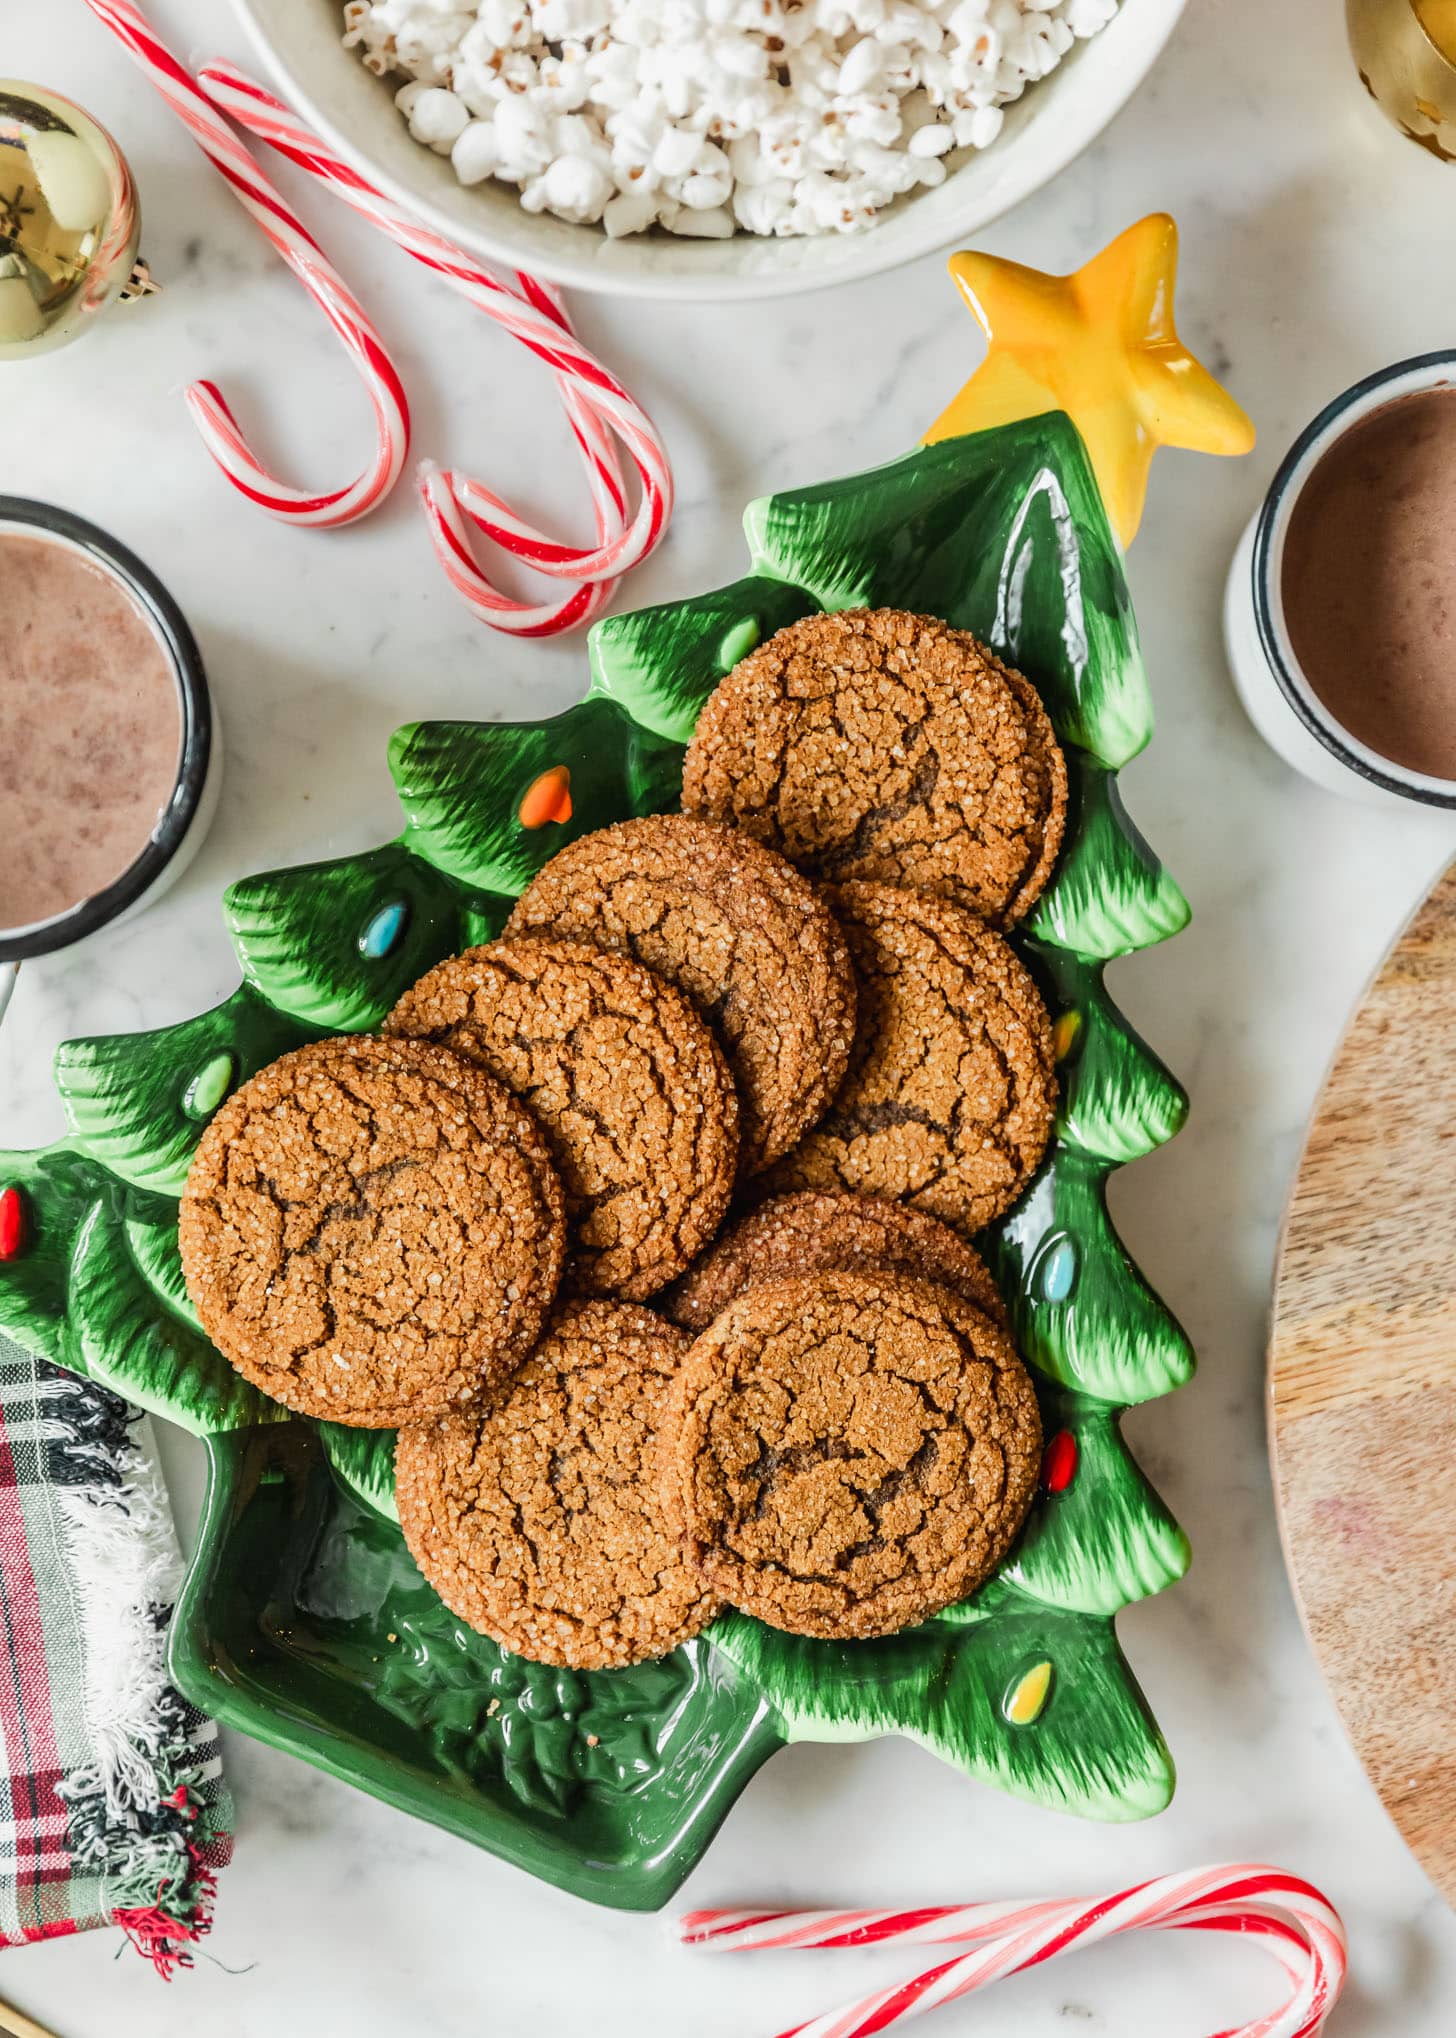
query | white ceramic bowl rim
[1387, 385]
[1051, 123]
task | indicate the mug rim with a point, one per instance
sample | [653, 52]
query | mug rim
[194, 754]
[1318, 437]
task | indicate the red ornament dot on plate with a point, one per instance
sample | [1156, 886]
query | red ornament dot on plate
[1059, 1466]
[12, 1223]
[547, 798]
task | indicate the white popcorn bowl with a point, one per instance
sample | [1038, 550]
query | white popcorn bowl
[1052, 122]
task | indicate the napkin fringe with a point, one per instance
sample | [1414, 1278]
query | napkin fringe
[138, 1817]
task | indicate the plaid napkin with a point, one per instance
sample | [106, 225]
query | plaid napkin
[112, 1806]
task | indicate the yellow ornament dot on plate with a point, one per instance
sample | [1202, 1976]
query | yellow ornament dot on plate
[1064, 1034]
[1100, 345]
[1026, 1700]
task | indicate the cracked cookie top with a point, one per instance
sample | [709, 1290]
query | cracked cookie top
[747, 938]
[951, 1094]
[370, 1229]
[538, 1516]
[815, 1230]
[626, 1081]
[878, 745]
[847, 1454]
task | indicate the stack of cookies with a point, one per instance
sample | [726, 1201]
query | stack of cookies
[791, 1002]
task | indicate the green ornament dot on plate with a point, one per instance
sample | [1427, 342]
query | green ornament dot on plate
[385, 930]
[209, 1086]
[1056, 1269]
[737, 643]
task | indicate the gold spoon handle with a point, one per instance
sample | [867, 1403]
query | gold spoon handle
[15, 2024]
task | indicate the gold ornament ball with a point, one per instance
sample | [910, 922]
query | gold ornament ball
[69, 221]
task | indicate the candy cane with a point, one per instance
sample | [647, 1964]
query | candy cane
[597, 406]
[1291, 1917]
[220, 430]
[533, 313]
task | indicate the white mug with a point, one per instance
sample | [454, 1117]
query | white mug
[1278, 697]
[184, 821]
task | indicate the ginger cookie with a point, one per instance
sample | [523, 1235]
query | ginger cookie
[881, 746]
[847, 1454]
[818, 1230]
[626, 1082]
[740, 932]
[951, 1097]
[370, 1230]
[538, 1516]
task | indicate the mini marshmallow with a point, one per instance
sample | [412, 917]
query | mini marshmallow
[438, 119]
[707, 193]
[706, 117]
[629, 213]
[978, 129]
[704, 226]
[861, 68]
[575, 188]
[677, 152]
[933, 140]
[475, 155]
[1086, 17]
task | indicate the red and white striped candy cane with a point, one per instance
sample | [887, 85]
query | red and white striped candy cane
[600, 411]
[220, 430]
[1290, 1917]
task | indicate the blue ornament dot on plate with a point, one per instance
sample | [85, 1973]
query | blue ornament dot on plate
[737, 643]
[209, 1086]
[1056, 1269]
[385, 930]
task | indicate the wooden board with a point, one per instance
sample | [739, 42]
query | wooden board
[1362, 1382]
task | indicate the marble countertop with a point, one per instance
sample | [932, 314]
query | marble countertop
[1313, 245]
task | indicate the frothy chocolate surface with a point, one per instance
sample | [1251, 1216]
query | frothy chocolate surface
[90, 729]
[1369, 581]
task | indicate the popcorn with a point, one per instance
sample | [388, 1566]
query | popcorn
[710, 117]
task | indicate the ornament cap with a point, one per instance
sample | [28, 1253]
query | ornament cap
[140, 283]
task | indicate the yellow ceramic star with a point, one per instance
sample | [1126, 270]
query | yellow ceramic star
[1100, 345]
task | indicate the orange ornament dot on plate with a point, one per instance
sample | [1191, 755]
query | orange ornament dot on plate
[547, 798]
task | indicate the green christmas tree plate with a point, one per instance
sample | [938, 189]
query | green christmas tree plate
[303, 1620]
